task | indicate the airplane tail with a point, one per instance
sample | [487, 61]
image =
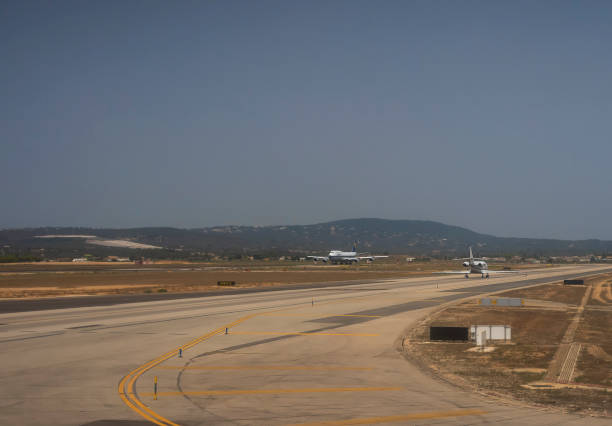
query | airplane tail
[355, 246]
[471, 255]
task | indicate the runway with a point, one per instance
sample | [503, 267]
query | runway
[323, 355]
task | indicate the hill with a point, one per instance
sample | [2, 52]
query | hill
[375, 235]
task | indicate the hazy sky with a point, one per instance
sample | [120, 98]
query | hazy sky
[493, 115]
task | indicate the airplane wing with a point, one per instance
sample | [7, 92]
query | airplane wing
[502, 272]
[370, 257]
[316, 258]
[453, 272]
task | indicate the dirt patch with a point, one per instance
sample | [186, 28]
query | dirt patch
[527, 349]
[45, 279]
[550, 292]
[595, 361]
[125, 282]
[602, 293]
[529, 370]
[9, 293]
[536, 336]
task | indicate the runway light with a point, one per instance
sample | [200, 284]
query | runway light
[180, 353]
[155, 388]
[226, 330]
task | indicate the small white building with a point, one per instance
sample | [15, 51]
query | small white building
[490, 332]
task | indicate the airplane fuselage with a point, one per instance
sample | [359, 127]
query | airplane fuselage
[477, 266]
[339, 254]
[348, 257]
[336, 256]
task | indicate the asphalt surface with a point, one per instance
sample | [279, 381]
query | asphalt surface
[46, 303]
[313, 355]
[38, 304]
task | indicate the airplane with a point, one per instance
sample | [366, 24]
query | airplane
[477, 266]
[347, 257]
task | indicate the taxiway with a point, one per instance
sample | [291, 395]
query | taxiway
[323, 355]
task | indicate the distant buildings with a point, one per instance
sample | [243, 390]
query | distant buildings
[116, 259]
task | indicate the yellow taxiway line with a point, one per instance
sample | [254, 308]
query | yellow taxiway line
[398, 418]
[270, 391]
[282, 333]
[274, 314]
[264, 367]
[126, 385]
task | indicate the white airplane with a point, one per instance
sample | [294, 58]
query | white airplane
[477, 266]
[348, 257]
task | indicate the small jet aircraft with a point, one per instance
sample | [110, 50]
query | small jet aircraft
[477, 266]
[347, 257]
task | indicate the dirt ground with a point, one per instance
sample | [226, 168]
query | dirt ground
[536, 335]
[91, 278]
[106, 282]
[39, 280]
[602, 292]
[595, 361]
[550, 292]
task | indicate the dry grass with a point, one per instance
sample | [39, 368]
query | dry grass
[91, 278]
[533, 337]
[106, 282]
[595, 361]
[569, 294]
[52, 279]
[602, 293]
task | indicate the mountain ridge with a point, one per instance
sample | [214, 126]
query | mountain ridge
[394, 236]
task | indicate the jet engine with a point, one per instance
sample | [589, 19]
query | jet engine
[466, 264]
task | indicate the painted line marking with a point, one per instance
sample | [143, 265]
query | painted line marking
[398, 418]
[272, 314]
[127, 383]
[264, 367]
[358, 316]
[280, 333]
[270, 391]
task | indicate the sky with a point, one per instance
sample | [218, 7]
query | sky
[492, 115]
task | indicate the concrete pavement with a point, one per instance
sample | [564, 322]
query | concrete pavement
[303, 356]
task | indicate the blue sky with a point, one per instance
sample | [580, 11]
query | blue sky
[491, 115]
